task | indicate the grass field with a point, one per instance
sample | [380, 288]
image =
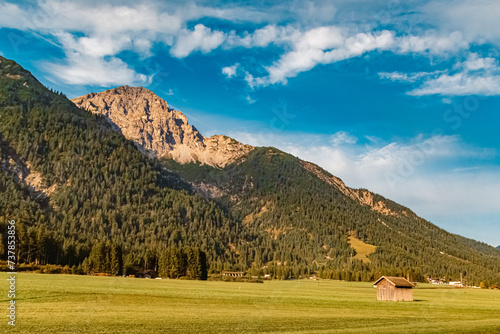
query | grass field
[84, 304]
[362, 249]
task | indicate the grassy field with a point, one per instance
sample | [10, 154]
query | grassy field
[362, 249]
[84, 304]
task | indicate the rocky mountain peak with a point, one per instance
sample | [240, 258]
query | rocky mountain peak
[158, 130]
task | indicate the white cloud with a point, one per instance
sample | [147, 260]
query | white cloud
[91, 35]
[476, 76]
[88, 70]
[324, 45]
[230, 71]
[93, 31]
[476, 62]
[476, 19]
[432, 43]
[330, 44]
[341, 138]
[10, 14]
[302, 29]
[406, 77]
[200, 39]
[260, 38]
[92, 19]
[250, 100]
[93, 46]
[255, 82]
[460, 84]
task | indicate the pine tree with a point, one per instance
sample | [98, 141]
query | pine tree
[116, 259]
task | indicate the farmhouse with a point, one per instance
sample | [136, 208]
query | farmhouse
[394, 289]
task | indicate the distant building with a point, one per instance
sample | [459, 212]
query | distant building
[457, 284]
[436, 281]
[232, 273]
[394, 289]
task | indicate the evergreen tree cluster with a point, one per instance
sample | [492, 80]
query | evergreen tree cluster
[183, 262]
[105, 257]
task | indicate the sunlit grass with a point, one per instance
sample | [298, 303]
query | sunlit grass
[84, 304]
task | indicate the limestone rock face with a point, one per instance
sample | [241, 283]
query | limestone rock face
[158, 130]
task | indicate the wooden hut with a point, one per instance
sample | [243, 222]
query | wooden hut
[394, 289]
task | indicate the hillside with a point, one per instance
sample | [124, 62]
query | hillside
[304, 217]
[309, 216]
[69, 181]
[80, 192]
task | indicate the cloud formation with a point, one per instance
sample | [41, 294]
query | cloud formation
[200, 38]
[474, 76]
[229, 71]
[95, 33]
[87, 70]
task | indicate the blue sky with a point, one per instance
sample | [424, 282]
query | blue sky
[402, 98]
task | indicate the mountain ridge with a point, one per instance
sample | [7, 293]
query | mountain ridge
[132, 112]
[159, 130]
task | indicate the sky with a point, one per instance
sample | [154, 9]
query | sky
[398, 97]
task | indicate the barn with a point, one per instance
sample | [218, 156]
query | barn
[394, 289]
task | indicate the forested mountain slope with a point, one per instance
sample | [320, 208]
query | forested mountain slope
[310, 215]
[70, 181]
[77, 187]
[306, 219]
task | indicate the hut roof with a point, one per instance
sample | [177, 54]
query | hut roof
[398, 282]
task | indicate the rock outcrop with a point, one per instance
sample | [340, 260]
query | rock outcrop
[361, 196]
[158, 130]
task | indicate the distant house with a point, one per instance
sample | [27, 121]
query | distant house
[232, 273]
[394, 289]
[457, 284]
[439, 281]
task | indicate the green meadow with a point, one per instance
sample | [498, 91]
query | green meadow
[85, 304]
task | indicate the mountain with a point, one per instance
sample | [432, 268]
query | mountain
[85, 195]
[157, 129]
[310, 217]
[71, 182]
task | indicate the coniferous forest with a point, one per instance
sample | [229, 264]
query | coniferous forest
[95, 203]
